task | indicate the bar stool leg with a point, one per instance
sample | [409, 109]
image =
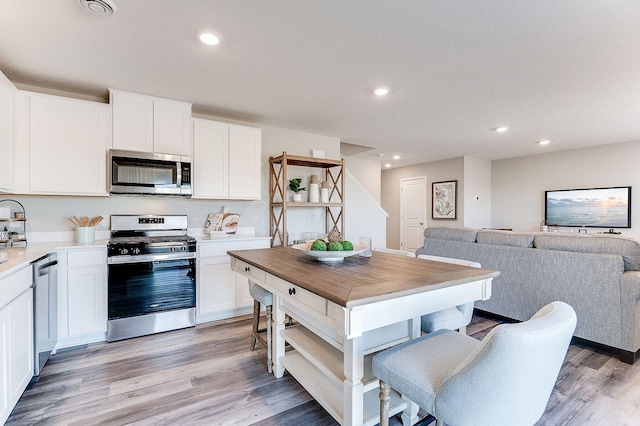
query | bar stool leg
[256, 320]
[385, 396]
[269, 340]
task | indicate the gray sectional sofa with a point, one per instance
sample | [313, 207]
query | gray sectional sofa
[599, 275]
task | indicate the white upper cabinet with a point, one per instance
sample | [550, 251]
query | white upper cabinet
[172, 127]
[148, 124]
[226, 160]
[7, 99]
[211, 158]
[68, 142]
[132, 121]
[245, 150]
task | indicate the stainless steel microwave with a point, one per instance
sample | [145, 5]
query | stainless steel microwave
[144, 173]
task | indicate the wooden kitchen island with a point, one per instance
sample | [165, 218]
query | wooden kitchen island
[346, 312]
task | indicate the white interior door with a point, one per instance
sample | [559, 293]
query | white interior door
[413, 212]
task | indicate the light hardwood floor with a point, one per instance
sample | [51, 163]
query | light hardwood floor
[208, 376]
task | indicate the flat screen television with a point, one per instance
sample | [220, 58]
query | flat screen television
[592, 207]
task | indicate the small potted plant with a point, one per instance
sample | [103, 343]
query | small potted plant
[294, 185]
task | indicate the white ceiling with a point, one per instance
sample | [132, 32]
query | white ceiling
[565, 70]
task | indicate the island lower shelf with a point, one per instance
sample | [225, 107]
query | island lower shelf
[319, 367]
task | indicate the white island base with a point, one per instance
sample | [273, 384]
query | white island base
[333, 344]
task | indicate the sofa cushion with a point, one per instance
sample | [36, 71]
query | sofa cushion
[628, 248]
[466, 235]
[505, 238]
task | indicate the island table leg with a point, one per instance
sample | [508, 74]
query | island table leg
[353, 387]
[277, 342]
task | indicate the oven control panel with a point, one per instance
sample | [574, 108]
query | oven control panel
[148, 220]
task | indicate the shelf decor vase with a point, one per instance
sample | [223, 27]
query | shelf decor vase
[314, 189]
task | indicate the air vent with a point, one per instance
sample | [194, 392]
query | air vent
[99, 7]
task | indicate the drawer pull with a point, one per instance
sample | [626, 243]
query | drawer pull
[247, 269]
[292, 291]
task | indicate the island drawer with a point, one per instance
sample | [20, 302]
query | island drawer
[297, 295]
[250, 271]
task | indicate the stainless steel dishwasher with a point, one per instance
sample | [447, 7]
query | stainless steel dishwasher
[45, 309]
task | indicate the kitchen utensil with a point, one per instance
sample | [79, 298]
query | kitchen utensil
[84, 220]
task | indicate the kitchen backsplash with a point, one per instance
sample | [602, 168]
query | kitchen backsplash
[47, 216]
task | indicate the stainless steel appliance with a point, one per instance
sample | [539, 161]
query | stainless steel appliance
[139, 173]
[45, 309]
[152, 275]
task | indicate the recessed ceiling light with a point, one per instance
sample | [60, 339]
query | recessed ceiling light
[387, 165]
[210, 39]
[381, 91]
[99, 7]
[544, 142]
[501, 129]
[381, 154]
[396, 157]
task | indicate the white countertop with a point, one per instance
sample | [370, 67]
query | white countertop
[17, 257]
[228, 237]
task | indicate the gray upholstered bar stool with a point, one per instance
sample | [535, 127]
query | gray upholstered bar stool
[261, 297]
[454, 318]
[505, 379]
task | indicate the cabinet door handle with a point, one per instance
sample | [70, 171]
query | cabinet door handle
[247, 269]
[292, 291]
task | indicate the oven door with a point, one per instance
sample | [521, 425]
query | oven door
[149, 287]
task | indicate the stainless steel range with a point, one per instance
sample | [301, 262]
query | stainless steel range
[152, 275]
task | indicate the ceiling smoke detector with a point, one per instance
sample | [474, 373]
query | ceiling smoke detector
[99, 7]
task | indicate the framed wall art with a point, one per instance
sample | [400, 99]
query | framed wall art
[443, 199]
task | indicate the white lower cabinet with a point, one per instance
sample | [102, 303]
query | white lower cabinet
[216, 292]
[16, 338]
[5, 377]
[221, 292]
[82, 295]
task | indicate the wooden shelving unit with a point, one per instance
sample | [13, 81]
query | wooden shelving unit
[278, 203]
[5, 222]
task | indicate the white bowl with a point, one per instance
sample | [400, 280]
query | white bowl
[330, 256]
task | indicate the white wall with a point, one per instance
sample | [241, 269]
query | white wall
[477, 192]
[452, 169]
[49, 213]
[364, 216]
[518, 184]
[367, 172]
